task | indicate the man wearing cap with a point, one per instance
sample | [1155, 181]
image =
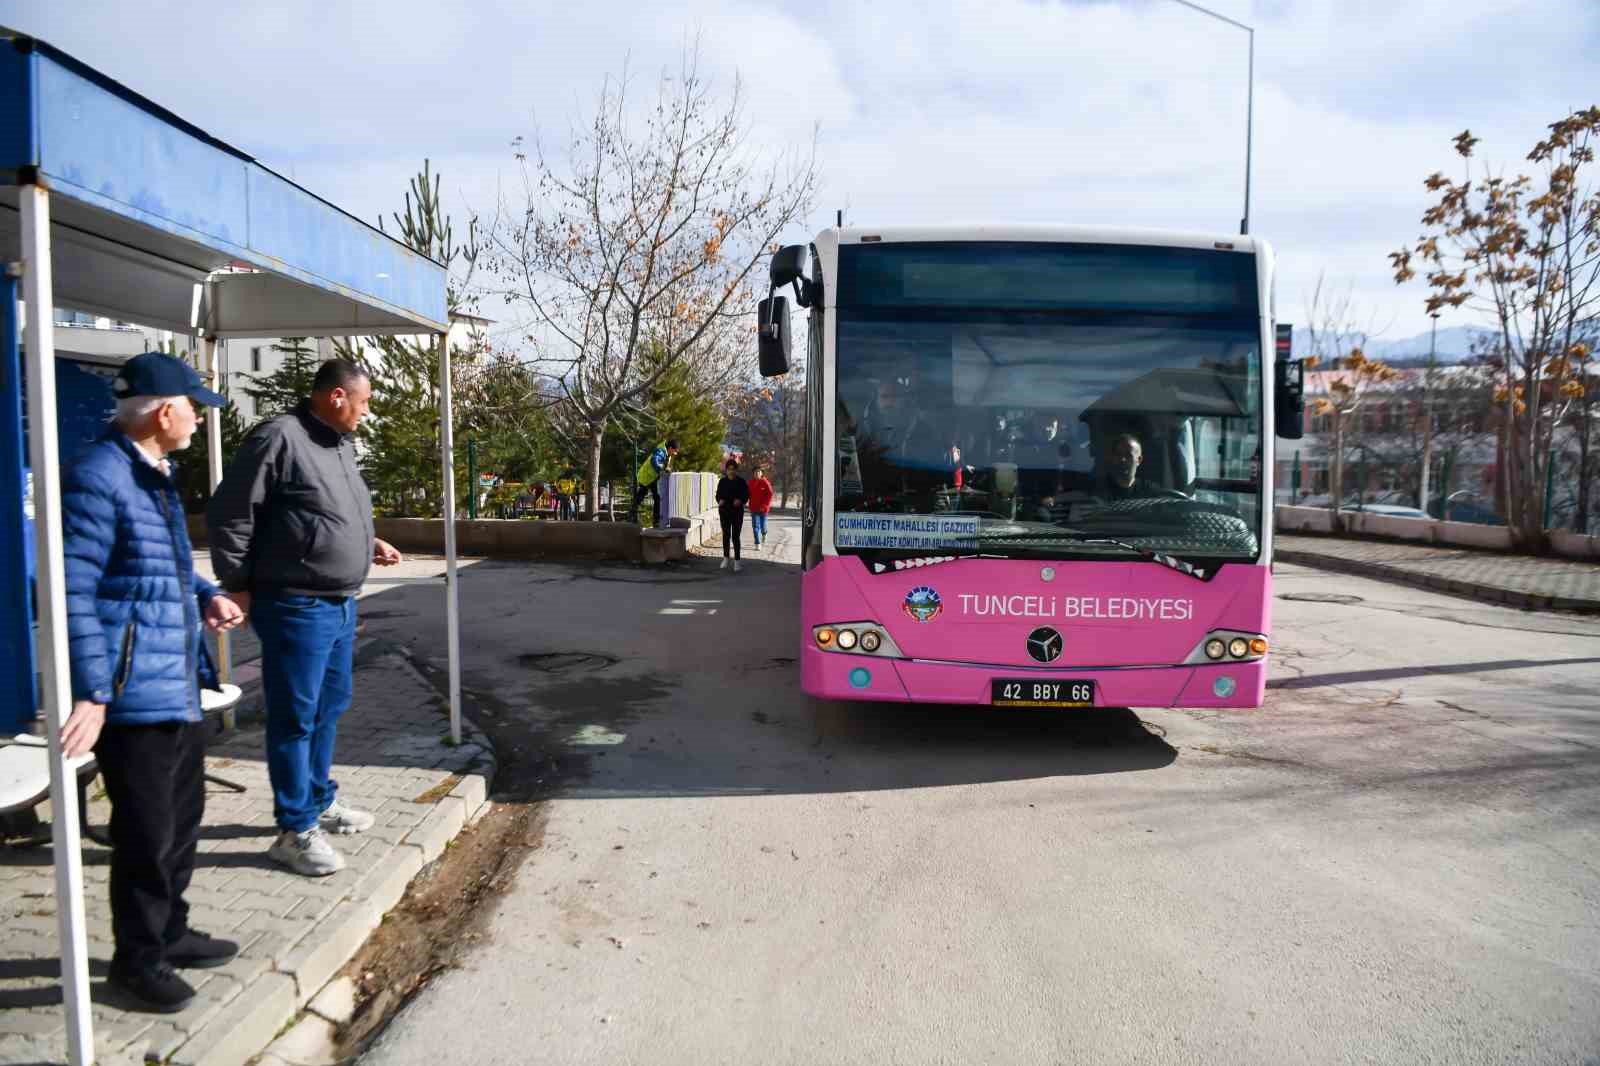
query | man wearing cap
[292, 540]
[134, 612]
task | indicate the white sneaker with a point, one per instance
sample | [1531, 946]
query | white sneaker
[344, 820]
[724, 564]
[736, 566]
[307, 853]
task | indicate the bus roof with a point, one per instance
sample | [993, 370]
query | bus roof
[1046, 234]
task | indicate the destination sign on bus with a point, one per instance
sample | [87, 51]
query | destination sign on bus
[1092, 608]
[906, 531]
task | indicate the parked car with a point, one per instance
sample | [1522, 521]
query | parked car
[1390, 510]
[1467, 510]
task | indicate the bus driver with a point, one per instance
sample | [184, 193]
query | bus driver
[1119, 479]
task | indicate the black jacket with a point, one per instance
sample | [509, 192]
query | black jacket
[730, 491]
[292, 514]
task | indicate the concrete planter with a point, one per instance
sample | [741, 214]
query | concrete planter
[523, 539]
[1576, 546]
[516, 539]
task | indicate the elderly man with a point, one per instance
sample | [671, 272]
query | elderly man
[292, 540]
[134, 611]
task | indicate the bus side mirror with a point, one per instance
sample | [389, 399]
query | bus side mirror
[788, 265]
[772, 336]
[1290, 401]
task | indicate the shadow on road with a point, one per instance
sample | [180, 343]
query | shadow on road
[1352, 677]
[611, 680]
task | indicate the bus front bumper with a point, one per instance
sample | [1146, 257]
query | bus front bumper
[838, 676]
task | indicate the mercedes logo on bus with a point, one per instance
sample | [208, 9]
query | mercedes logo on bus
[1044, 645]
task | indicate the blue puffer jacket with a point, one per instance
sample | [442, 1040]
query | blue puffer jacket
[134, 602]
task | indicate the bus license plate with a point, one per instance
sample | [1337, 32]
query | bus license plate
[1030, 693]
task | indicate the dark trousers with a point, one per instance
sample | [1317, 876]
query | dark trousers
[732, 527]
[155, 778]
[307, 658]
[654, 491]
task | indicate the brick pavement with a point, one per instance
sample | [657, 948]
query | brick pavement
[296, 933]
[1497, 577]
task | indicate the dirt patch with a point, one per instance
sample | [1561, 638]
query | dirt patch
[440, 791]
[443, 914]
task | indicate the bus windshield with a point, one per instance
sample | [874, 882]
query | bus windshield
[1047, 400]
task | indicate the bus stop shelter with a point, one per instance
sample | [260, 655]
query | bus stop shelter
[111, 204]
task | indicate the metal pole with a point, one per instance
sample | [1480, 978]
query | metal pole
[1249, 130]
[215, 381]
[1250, 100]
[452, 589]
[56, 688]
[1427, 414]
[472, 478]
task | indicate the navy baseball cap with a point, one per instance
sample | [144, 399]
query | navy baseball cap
[159, 374]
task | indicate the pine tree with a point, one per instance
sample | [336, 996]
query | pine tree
[282, 390]
[191, 467]
[679, 412]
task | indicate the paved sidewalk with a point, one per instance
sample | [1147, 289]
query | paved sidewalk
[296, 932]
[1542, 583]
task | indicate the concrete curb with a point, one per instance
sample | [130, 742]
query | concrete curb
[1437, 583]
[253, 1022]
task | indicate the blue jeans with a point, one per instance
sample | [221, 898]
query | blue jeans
[758, 525]
[307, 658]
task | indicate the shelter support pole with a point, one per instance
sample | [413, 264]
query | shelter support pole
[452, 590]
[214, 381]
[55, 680]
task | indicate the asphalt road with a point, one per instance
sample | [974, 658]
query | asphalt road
[1393, 861]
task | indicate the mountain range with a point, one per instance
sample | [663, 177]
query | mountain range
[1455, 344]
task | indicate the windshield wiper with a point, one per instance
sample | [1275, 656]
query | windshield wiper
[1079, 536]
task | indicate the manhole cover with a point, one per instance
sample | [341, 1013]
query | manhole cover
[1320, 597]
[561, 662]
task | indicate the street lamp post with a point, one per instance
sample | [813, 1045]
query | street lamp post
[1427, 414]
[1250, 100]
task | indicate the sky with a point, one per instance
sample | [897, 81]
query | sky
[1104, 112]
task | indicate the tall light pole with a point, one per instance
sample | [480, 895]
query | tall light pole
[1427, 416]
[1250, 100]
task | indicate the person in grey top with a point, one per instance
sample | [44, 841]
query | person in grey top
[292, 541]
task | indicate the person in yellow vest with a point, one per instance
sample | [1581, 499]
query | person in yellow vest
[567, 495]
[648, 478]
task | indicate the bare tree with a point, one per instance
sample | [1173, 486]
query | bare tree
[1338, 334]
[635, 251]
[769, 420]
[1528, 254]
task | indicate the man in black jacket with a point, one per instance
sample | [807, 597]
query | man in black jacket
[292, 542]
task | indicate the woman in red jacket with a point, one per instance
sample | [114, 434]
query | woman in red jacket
[760, 504]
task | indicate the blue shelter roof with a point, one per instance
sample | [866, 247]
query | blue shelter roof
[144, 205]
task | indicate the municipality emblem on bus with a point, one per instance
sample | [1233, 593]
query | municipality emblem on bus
[923, 603]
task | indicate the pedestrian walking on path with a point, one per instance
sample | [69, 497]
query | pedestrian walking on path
[648, 479]
[760, 504]
[135, 608]
[733, 494]
[292, 539]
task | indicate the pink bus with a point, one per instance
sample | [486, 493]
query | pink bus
[1038, 464]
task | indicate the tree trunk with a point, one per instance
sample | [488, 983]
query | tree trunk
[597, 439]
[1336, 472]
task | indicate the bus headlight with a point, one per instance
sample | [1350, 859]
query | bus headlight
[1222, 645]
[861, 637]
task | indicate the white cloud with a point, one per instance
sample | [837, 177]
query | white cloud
[1084, 111]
